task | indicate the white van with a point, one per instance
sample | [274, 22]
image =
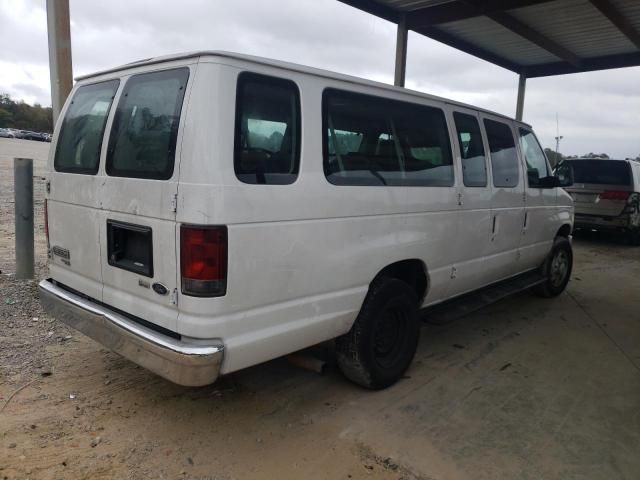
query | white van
[211, 211]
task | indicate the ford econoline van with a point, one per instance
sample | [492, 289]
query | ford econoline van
[207, 212]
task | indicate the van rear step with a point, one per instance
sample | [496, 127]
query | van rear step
[460, 306]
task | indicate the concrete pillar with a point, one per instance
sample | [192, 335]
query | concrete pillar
[401, 52]
[522, 86]
[60, 67]
[23, 192]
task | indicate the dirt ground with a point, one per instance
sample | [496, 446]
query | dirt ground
[523, 389]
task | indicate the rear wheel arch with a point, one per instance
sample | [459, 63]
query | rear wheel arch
[411, 271]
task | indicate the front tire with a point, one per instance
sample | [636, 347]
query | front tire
[382, 342]
[556, 269]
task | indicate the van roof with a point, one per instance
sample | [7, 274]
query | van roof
[286, 66]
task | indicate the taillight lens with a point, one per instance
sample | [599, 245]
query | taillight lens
[203, 260]
[46, 222]
[615, 195]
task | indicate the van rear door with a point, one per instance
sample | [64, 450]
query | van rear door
[139, 197]
[73, 201]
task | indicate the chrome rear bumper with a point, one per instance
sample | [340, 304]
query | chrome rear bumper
[180, 362]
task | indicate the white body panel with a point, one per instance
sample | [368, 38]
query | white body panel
[300, 256]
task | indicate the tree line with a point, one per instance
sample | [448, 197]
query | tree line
[556, 157]
[22, 116]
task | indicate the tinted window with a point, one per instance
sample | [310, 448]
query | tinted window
[80, 139]
[145, 127]
[267, 136]
[609, 172]
[504, 159]
[375, 141]
[474, 169]
[537, 167]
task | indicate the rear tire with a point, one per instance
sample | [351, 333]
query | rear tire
[382, 342]
[556, 269]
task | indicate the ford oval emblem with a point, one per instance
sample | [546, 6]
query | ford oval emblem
[159, 288]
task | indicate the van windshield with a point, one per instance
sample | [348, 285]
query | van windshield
[608, 172]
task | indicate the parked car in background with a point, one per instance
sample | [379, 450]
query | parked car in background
[6, 133]
[606, 194]
[30, 135]
[216, 211]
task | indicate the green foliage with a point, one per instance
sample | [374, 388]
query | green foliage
[596, 155]
[23, 116]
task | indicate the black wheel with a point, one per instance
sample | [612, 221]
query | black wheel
[557, 269]
[382, 342]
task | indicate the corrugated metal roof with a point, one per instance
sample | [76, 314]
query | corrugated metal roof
[578, 26]
[489, 35]
[410, 5]
[535, 37]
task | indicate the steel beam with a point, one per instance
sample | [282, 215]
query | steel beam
[60, 66]
[588, 65]
[401, 53]
[522, 86]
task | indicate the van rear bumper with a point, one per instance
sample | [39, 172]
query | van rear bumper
[182, 363]
[623, 221]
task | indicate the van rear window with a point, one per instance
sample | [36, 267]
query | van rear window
[145, 127]
[605, 172]
[80, 139]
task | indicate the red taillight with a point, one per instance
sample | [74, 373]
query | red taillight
[203, 260]
[615, 195]
[46, 222]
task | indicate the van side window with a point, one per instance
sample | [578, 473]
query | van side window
[504, 159]
[474, 169]
[267, 133]
[80, 139]
[376, 141]
[145, 127]
[537, 166]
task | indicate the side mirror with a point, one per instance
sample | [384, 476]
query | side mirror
[549, 182]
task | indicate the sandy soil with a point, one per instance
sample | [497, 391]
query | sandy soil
[523, 389]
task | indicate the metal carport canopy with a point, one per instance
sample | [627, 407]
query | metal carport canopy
[533, 38]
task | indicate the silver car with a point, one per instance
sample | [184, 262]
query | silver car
[6, 133]
[605, 194]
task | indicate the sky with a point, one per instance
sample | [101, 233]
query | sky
[598, 112]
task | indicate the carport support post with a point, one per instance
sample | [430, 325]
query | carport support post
[60, 67]
[401, 52]
[23, 191]
[522, 86]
